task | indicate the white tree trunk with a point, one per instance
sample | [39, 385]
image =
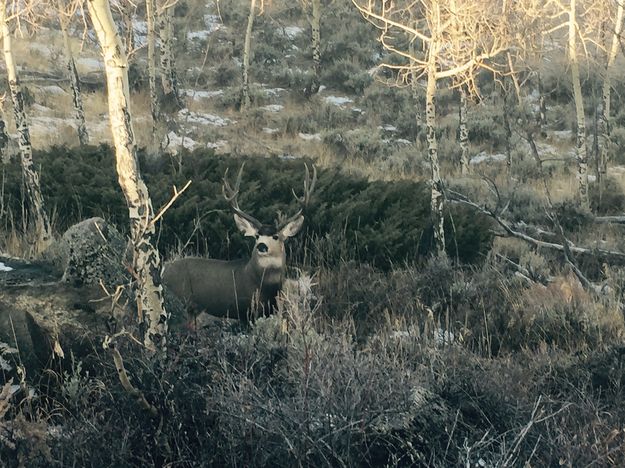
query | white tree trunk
[414, 86]
[542, 107]
[247, 47]
[507, 128]
[169, 78]
[127, 10]
[463, 132]
[37, 213]
[437, 184]
[151, 40]
[146, 260]
[604, 122]
[4, 136]
[83, 135]
[315, 25]
[581, 152]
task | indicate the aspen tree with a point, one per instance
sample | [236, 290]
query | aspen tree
[453, 40]
[605, 120]
[37, 213]
[247, 48]
[146, 259]
[581, 151]
[313, 12]
[169, 78]
[65, 12]
[151, 43]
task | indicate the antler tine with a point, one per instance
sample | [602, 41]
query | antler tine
[309, 186]
[231, 195]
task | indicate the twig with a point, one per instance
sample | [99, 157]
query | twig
[109, 343]
[170, 202]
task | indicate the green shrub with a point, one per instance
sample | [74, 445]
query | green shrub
[359, 143]
[227, 73]
[610, 200]
[346, 76]
[381, 223]
[571, 216]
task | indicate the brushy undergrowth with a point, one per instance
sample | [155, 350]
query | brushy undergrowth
[308, 394]
[430, 366]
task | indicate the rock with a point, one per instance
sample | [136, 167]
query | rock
[88, 252]
[51, 321]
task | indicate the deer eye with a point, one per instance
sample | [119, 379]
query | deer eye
[275, 237]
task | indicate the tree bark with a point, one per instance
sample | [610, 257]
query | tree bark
[83, 135]
[437, 198]
[169, 79]
[581, 152]
[127, 10]
[38, 216]
[151, 43]
[414, 86]
[4, 139]
[604, 122]
[315, 25]
[146, 260]
[463, 133]
[542, 108]
[507, 128]
[245, 90]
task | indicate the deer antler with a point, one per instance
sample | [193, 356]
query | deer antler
[309, 186]
[231, 195]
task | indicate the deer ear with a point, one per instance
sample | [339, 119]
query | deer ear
[292, 228]
[247, 228]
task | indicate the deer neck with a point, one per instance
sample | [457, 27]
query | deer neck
[267, 270]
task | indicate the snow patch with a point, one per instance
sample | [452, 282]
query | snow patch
[310, 136]
[54, 90]
[291, 32]
[175, 141]
[212, 24]
[217, 144]
[485, 157]
[89, 65]
[203, 119]
[140, 33]
[388, 128]
[4, 267]
[563, 134]
[270, 131]
[273, 92]
[197, 94]
[337, 100]
[273, 107]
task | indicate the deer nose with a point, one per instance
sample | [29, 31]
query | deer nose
[262, 247]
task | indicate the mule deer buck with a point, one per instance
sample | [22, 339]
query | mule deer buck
[242, 288]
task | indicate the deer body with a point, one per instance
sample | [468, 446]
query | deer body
[232, 289]
[245, 288]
